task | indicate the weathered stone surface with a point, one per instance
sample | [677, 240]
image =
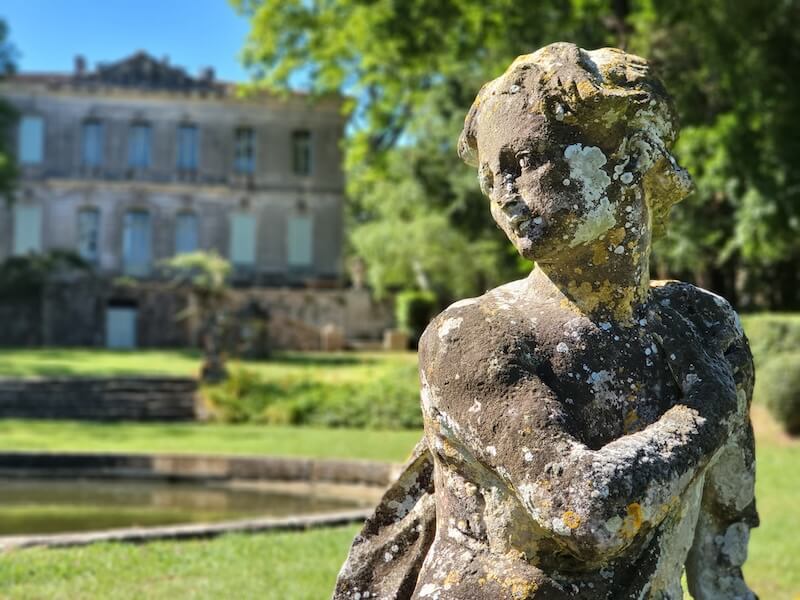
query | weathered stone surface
[100, 398]
[587, 429]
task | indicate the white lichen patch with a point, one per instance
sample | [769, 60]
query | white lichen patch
[562, 347]
[598, 220]
[449, 326]
[586, 167]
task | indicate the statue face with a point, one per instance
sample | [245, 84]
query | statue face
[550, 188]
[572, 148]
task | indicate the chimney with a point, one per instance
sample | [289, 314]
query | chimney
[207, 74]
[80, 65]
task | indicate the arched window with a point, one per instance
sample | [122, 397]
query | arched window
[92, 143]
[89, 234]
[188, 147]
[139, 146]
[30, 150]
[136, 241]
[186, 238]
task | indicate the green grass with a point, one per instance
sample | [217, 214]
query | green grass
[342, 367]
[304, 565]
[205, 438]
[285, 566]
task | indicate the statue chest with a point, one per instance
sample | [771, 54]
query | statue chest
[610, 383]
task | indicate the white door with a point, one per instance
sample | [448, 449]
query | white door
[121, 327]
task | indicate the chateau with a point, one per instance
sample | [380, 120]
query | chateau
[137, 161]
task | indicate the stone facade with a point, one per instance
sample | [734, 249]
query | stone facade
[136, 161]
[68, 167]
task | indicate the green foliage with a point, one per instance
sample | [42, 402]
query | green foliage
[205, 272]
[24, 277]
[775, 342]
[778, 387]
[8, 117]
[411, 69]
[413, 311]
[390, 401]
[772, 334]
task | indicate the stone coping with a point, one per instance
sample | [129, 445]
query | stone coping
[184, 532]
[196, 467]
[355, 479]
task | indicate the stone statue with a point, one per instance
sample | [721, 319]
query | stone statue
[586, 429]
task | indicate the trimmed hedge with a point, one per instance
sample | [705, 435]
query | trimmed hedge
[778, 388]
[391, 401]
[775, 342]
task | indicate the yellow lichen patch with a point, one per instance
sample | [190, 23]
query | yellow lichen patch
[578, 270]
[453, 578]
[519, 587]
[448, 449]
[615, 236]
[633, 520]
[599, 253]
[586, 89]
[630, 420]
[571, 519]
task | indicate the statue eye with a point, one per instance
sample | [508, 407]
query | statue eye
[486, 179]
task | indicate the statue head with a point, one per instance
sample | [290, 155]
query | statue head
[573, 149]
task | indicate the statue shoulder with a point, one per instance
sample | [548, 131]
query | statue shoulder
[477, 338]
[712, 315]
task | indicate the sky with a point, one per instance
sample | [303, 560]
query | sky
[194, 34]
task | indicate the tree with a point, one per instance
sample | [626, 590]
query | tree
[8, 116]
[206, 276]
[413, 67]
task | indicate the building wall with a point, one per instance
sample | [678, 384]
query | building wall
[61, 185]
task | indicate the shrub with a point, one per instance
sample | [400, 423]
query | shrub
[390, 401]
[778, 387]
[771, 335]
[413, 311]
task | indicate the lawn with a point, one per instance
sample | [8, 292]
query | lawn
[304, 565]
[341, 367]
[206, 438]
[291, 565]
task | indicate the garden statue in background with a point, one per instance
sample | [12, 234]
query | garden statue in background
[206, 276]
[586, 429]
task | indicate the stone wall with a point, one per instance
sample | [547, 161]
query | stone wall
[71, 312]
[99, 399]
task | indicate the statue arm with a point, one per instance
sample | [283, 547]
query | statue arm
[592, 501]
[728, 510]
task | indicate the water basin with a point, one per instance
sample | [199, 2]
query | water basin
[43, 506]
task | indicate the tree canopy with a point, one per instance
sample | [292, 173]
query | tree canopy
[412, 68]
[8, 170]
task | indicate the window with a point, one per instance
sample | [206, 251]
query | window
[27, 228]
[31, 140]
[139, 146]
[186, 233]
[92, 143]
[136, 243]
[187, 148]
[300, 241]
[301, 152]
[89, 234]
[243, 239]
[244, 160]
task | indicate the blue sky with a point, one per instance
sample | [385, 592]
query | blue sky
[193, 33]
